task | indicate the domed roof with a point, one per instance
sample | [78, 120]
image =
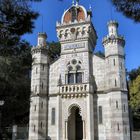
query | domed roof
[75, 12]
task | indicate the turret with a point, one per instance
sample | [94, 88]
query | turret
[42, 39]
[76, 26]
[115, 58]
[39, 90]
[77, 36]
[40, 65]
[116, 89]
[113, 28]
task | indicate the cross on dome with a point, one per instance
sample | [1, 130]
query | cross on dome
[77, 2]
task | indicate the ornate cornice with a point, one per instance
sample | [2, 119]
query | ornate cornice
[119, 55]
[39, 49]
[113, 39]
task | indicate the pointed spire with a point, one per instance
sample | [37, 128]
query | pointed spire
[72, 2]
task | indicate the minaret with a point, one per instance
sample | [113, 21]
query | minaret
[117, 122]
[115, 58]
[39, 90]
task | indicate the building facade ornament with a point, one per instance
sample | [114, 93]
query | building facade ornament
[80, 96]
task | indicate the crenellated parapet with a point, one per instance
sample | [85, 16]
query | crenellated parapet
[39, 49]
[113, 36]
[114, 39]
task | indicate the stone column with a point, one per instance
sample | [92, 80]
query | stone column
[66, 130]
[75, 78]
[14, 133]
[84, 130]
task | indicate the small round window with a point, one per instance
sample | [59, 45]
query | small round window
[74, 62]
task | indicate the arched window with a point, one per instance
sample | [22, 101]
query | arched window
[43, 67]
[114, 62]
[115, 83]
[118, 126]
[34, 128]
[117, 106]
[41, 124]
[41, 104]
[35, 108]
[78, 77]
[74, 72]
[70, 78]
[42, 85]
[36, 70]
[53, 116]
[124, 108]
[100, 115]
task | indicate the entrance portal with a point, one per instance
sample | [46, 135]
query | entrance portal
[75, 125]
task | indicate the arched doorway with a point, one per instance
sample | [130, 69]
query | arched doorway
[75, 125]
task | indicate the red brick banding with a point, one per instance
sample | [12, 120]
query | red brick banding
[68, 15]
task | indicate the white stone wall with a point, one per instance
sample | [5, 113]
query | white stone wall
[115, 116]
[38, 123]
[99, 72]
[53, 128]
[54, 75]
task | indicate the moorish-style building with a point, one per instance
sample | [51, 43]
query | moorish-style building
[80, 96]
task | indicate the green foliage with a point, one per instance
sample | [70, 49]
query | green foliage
[16, 19]
[54, 50]
[15, 83]
[130, 8]
[134, 73]
[134, 91]
[135, 96]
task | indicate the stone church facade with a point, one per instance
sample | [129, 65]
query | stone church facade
[80, 96]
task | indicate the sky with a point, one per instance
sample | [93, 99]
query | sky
[52, 10]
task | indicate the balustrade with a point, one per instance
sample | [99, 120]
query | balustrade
[77, 88]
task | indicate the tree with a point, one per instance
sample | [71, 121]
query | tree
[134, 73]
[54, 50]
[135, 95]
[16, 19]
[130, 8]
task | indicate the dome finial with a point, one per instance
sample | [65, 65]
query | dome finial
[72, 2]
[77, 2]
[90, 8]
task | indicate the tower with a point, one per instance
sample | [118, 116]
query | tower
[116, 89]
[39, 90]
[78, 37]
[115, 58]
